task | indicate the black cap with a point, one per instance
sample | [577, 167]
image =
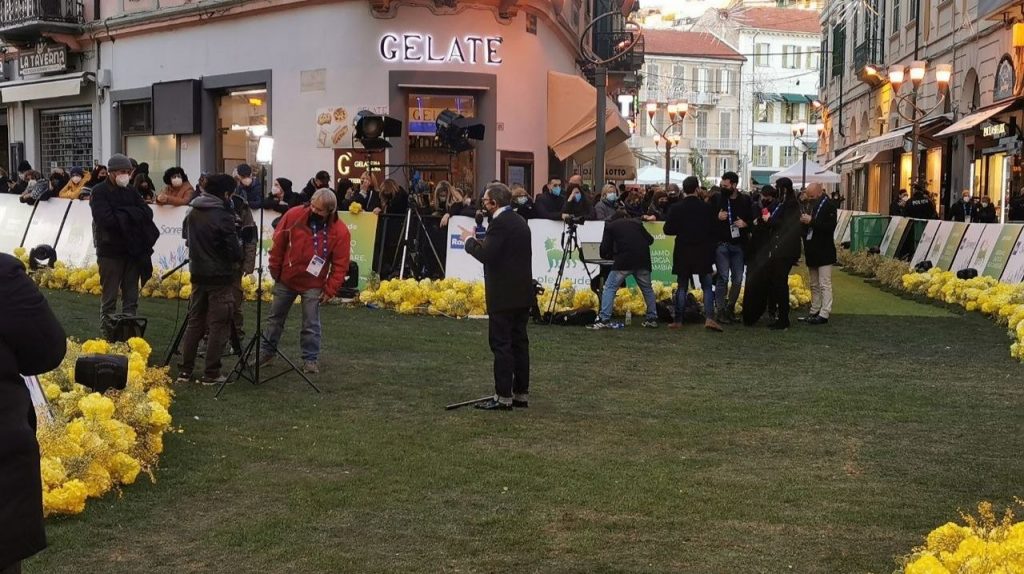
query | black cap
[244, 170]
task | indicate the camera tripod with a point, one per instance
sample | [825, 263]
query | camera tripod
[570, 244]
[413, 256]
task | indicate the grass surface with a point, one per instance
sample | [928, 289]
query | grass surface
[829, 449]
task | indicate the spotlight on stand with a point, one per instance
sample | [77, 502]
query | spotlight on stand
[923, 267]
[454, 131]
[372, 130]
[102, 372]
[42, 256]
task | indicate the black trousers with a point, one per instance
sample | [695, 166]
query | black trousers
[511, 347]
[778, 288]
[755, 293]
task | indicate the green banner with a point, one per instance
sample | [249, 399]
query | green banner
[661, 253]
[1001, 252]
[952, 245]
[363, 228]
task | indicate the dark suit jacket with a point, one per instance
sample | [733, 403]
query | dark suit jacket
[820, 249]
[506, 253]
[628, 243]
[693, 223]
[784, 233]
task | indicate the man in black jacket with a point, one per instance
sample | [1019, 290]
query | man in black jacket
[124, 235]
[322, 180]
[819, 251]
[628, 243]
[214, 252]
[32, 342]
[920, 206]
[735, 215]
[692, 222]
[506, 254]
[550, 203]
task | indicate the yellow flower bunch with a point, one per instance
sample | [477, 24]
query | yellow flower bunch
[97, 442]
[983, 545]
[355, 208]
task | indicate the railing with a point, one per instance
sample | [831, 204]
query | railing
[728, 144]
[867, 52]
[14, 12]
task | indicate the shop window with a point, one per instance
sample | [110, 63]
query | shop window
[136, 117]
[241, 119]
[65, 139]
[160, 152]
[425, 150]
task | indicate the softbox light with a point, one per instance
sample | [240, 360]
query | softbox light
[372, 130]
[455, 131]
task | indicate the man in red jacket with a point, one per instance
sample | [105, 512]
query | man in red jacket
[309, 258]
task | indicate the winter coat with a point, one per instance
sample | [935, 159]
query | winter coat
[527, 210]
[244, 219]
[214, 249]
[692, 222]
[628, 243]
[549, 206]
[122, 223]
[784, 234]
[820, 249]
[963, 211]
[32, 342]
[293, 250]
[253, 194]
[604, 211]
[920, 207]
[177, 196]
[986, 214]
[73, 190]
[741, 209]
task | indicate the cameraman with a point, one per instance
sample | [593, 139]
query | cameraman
[628, 243]
[246, 227]
[214, 253]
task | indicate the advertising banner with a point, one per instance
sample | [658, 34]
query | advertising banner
[76, 246]
[1008, 235]
[45, 224]
[968, 246]
[661, 252]
[459, 264]
[14, 217]
[893, 235]
[925, 245]
[363, 229]
[170, 250]
[948, 247]
[989, 237]
[1014, 271]
[842, 224]
[335, 126]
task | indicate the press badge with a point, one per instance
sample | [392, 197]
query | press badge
[734, 231]
[316, 265]
[810, 234]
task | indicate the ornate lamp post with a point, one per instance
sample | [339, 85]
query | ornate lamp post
[798, 129]
[676, 111]
[917, 72]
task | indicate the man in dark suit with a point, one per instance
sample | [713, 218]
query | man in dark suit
[819, 251]
[506, 254]
[693, 222]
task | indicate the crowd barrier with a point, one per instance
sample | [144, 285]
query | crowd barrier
[992, 249]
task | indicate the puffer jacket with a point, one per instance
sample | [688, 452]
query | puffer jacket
[72, 190]
[293, 250]
[214, 250]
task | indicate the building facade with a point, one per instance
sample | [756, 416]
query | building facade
[704, 72]
[196, 84]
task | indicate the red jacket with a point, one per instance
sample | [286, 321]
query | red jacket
[293, 250]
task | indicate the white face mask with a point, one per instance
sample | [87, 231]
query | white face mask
[277, 190]
[76, 179]
[123, 180]
[30, 183]
[246, 181]
[176, 182]
[966, 198]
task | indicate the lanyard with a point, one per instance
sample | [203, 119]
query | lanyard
[774, 211]
[728, 207]
[316, 240]
[820, 205]
[967, 209]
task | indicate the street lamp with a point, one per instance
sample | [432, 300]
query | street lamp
[798, 130]
[917, 72]
[676, 111]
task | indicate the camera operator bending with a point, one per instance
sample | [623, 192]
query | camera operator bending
[506, 254]
[628, 243]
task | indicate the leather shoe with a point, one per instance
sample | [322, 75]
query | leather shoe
[807, 319]
[817, 320]
[492, 405]
[520, 404]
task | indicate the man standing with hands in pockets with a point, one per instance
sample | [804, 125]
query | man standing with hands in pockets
[819, 227]
[506, 254]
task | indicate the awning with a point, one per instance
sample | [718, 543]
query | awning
[846, 156]
[974, 120]
[794, 98]
[767, 97]
[884, 142]
[44, 88]
[761, 177]
[619, 165]
[572, 113]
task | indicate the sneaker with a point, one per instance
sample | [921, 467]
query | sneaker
[651, 324]
[817, 320]
[731, 315]
[310, 367]
[808, 318]
[183, 378]
[723, 318]
[597, 326]
[711, 325]
[675, 326]
[213, 381]
[265, 359]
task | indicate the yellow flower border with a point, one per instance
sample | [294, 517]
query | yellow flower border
[985, 544]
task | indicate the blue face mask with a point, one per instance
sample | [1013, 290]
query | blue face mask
[521, 200]
[556, 191]
[611, 197]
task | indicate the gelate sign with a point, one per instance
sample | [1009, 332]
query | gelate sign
[425, 49]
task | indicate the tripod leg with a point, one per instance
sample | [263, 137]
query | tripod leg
[177, 340]
[291, 366]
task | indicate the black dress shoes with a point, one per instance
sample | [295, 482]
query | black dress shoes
[520, 404]
[806, 319]
[492, 405]
[817, 320]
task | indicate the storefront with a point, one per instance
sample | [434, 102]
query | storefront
[303, 74]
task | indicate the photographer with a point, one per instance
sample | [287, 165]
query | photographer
[214, 251]
[628, 243]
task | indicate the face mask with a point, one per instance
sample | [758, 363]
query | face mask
[984, 204]
[122, 180]
[467, 201]
[611, 197]
[30, 183]
[966, 199]
[176, 181]
[556, 191]
[316, 219]
[246, 181]
[662, 204]
[521, 200]
[76, 179]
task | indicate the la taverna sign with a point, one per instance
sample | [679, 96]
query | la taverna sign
[424, 48]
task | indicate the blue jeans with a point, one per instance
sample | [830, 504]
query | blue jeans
[612, 284]
[709, 296]
[309, 337]
[728, 261]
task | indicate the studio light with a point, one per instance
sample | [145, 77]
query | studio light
[372, 130]
[265, 150]
[42, 256]
[454, 131]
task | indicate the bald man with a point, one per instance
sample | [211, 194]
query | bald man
[819, 226]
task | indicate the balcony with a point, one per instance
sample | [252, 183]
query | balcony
[868, 52]
[24, 21]
[716, 144]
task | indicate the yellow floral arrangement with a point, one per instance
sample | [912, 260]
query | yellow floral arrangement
[98, 442]
[982, 545]
[87, 280]
[355, 208]
[458, 298]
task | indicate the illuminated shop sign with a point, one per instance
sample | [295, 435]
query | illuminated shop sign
[425, 49]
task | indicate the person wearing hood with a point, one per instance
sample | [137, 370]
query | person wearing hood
[248, 187]
[36, 188]
[609, 203]
[124, 235]
[24, 170]
[322, 180]
[214, 252]
[281, 197]
[178, 190]
[78, 182]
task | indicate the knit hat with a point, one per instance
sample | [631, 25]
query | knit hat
[119, 162]
[77, 171]
[286, 185]
[244, 170]
[24, 166]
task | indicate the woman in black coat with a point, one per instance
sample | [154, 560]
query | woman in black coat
[782, 250]
[32, 342]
